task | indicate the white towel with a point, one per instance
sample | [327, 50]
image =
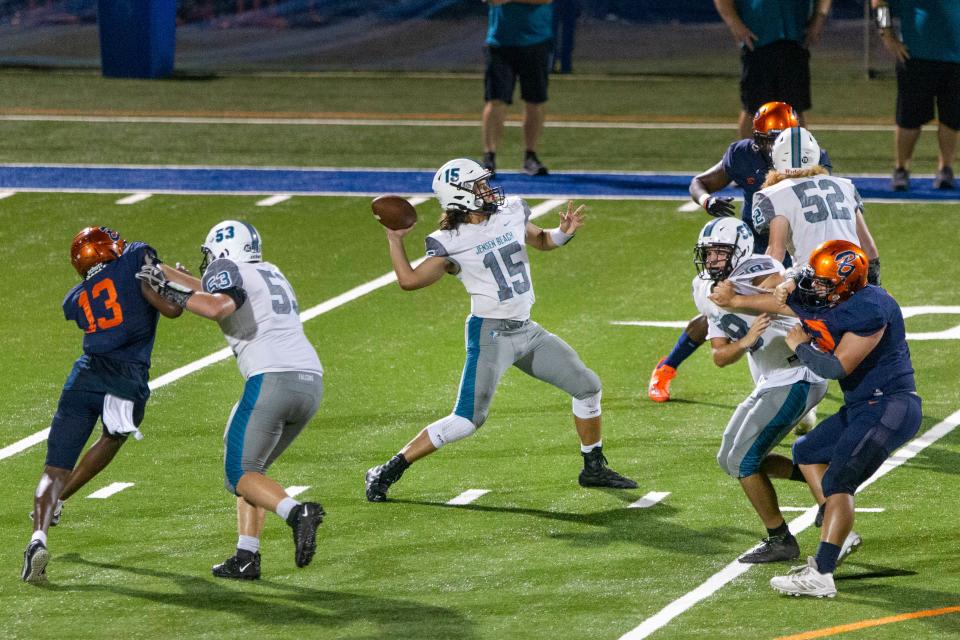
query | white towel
[118, 417]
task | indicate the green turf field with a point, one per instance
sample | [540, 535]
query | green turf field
[538, 556]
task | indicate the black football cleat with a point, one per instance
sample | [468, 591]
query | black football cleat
[596, 473]
[773, 549]
[379, 478]
[55, 520]
[242, 566]
[35, 560]
[304, 520]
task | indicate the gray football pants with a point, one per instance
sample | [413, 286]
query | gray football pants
[274, 409]
[493, 345]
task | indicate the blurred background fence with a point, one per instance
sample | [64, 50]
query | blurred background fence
[613, 36]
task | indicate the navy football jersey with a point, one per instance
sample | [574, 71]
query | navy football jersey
[117, 321]
[887, 369]
[746, 166]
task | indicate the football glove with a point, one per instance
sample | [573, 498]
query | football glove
[873, 272]
[168, 290]
[720, 206]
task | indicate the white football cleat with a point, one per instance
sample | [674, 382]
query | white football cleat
[805, 580]
[807, 422]
[850, 544]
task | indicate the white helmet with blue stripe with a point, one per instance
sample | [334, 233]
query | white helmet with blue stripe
[794, 150]
[723, 243]
[232, 239]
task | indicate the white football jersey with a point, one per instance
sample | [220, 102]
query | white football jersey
[772, 364]
[818, 208]
[492, 261]
[265, 331]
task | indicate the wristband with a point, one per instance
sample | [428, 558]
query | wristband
[884, 19]
[702, 200]
[559, 237]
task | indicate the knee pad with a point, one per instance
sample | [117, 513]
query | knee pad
[450, 429]
[588, 406]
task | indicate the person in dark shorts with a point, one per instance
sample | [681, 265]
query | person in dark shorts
[928, 75]
[519, 45]
[774, 36]
[118, 317]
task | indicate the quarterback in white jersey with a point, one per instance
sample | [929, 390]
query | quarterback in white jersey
[785, 389]
[802, 206]
[483, 240]
[257, 311]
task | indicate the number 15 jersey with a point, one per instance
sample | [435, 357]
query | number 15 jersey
[492, 261]
[818, 208]
[265, 331]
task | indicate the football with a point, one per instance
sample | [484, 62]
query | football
[393, 212]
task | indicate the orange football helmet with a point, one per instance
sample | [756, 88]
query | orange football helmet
[837, 270]
[93, 246]
[769, 120]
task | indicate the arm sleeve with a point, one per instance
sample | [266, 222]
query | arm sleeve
[435, 248]
[825, 161]
[223, 276]
[825, 365]
[763, 212]
[526, 212]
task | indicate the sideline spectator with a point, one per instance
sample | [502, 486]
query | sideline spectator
[928, 70]
[519, 44]
[775, 38]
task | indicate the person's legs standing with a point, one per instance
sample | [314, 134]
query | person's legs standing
[499, 80]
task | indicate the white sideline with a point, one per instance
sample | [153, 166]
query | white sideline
[648, 500]
[857, 509]
[134, 198]
[272, 200]
[798, 524]
[468, 496]
[109, 490]
[223, 354]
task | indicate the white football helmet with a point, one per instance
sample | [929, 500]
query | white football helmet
[795, 149]
[728, 234]
[232, 239]
[462, 184]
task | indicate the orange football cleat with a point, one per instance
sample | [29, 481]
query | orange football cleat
[659, 389]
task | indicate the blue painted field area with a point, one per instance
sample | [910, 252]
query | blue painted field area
[377, 181]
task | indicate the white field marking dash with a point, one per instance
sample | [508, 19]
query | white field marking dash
[666, 324]
[735, 569]
[6, 194]
[648, 500]
[134, 198]
[110, 489]
[416, 201]
[272, 200]
[296, 490]
[223, 354]
[687, 207]
[857, 509]
[468, 496]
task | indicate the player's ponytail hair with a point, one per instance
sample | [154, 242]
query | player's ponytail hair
[774, 176]
[453, 218]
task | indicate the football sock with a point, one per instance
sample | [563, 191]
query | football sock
[796, 474]
[827, 555]
[587, 448]
[681, 351]
[248, 543]
[286, 505]
[490, 156]
[779, 531]
[530, 154]
[39, 535]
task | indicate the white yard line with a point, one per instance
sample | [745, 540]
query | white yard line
[223, 354]
[110, 489]
[468, 496]
[648, 500]
[272, 200]
[409, 122]
[6, 194]
[689, 206]
[134, 199]
[736, 569]
[296, 490]
[416, 201]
